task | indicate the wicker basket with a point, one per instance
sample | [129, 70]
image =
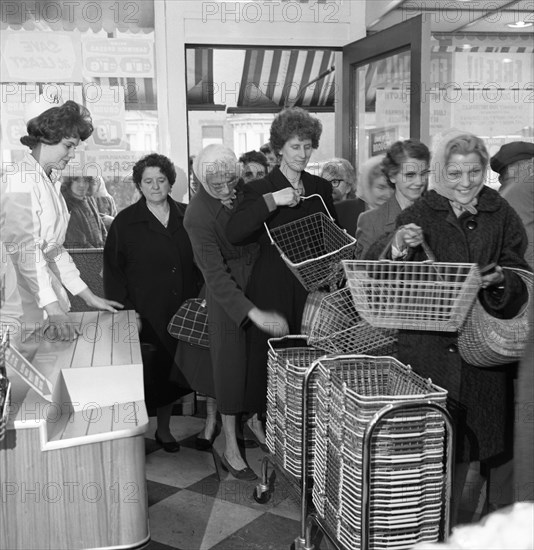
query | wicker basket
[338, 328]
[432, 296]
[289, 359]
[312, 248]
[407, 481]
[485, 341]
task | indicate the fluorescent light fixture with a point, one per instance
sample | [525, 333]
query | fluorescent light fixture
[519, 25]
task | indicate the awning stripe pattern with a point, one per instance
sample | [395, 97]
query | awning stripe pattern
[140, 94]
[199, 78]
[278, 78]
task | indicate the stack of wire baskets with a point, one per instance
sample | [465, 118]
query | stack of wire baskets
[338, 328]
[5, 386]
[407, 482]
[289, 359]
[431, 296]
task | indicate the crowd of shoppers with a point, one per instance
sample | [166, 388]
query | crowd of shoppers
[158, 253]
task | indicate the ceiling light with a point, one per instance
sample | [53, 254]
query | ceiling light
[466, 46]
[519, 25]
[507, 60]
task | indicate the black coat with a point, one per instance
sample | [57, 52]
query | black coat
[479, 398]
[272, 285]
[150, 268]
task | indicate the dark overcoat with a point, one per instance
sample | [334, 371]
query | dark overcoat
[150, 268]
[479, 398]
[226, 269]
[272, 285]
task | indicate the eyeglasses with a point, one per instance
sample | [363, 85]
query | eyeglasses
[336, 183]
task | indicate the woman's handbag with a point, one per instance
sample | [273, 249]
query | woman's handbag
[190, 323]
[485, 341]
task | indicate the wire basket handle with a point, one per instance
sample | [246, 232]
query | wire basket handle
[426, 249]
[302, 198]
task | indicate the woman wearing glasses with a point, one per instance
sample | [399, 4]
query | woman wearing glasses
[340, 173]
[226, 269]
[276, 200]
[34, 223]
[406, 169]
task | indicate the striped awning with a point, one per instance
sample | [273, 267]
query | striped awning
[199, 78]
[278, 78]
[139, 93]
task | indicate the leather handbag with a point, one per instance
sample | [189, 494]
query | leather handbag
[190, 323]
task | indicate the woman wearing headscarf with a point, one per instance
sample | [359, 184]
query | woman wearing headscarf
[462, 220]
[34, 223]
[226, 269]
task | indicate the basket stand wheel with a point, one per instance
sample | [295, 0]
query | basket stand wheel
[264, 490]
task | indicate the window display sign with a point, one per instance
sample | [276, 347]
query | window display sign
[380, 139]
[106, 104]
[21, 102]
[111, 164]
[118, 57]
[40, 57]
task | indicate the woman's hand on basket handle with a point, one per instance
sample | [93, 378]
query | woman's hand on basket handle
[494, 278]
[408, 235]
[269, 321]
[286, 197]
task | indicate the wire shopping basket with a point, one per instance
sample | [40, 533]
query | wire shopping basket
[384, 487]
[288, 360]
[313, 247]
[433, 296]
[338, 328]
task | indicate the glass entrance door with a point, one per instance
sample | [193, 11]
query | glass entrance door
[383, 78]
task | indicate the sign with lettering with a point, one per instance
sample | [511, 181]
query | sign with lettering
[40, 57]
[118, 57]
[111, 164]
[29, 373]
[380, 139]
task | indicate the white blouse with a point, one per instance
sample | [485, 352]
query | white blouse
[34, 223]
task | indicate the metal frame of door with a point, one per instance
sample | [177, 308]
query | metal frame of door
[412, 35]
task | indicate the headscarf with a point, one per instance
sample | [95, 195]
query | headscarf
[438, 167]
[100, 188]
[364, 181]
[215, 158]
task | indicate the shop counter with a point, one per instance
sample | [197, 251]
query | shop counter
[72, 462]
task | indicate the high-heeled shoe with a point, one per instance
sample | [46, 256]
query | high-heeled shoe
[246, 474]
[203, 444]
[168, 446]
[257, 442]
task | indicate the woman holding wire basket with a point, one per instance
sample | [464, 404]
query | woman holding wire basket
[462, 220]
[276, 200]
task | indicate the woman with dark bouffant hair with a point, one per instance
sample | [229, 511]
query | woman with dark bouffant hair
[405, 167]
[277, 200]
[35, 221]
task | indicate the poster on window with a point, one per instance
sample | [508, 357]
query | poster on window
[118, 57]
[34, 56]
[111, 164]
[20, 102]
[106, 104]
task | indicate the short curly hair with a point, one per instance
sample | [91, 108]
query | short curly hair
[70, 120]
[254, 156]
[339, 168]
[400, 152]
[153, 160]
[294, 122]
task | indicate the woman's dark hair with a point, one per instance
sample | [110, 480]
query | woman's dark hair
[70, 120]
[400, 152]
[254, 156]
[67, 181]
[294, 122]
[157, 161]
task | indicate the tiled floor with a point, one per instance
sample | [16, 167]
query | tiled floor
[190, 509]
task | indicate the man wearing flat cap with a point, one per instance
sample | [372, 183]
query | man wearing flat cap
[514, 162]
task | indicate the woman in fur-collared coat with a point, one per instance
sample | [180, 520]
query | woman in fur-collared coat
[462, 220]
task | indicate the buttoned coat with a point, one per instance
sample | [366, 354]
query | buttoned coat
[478, 397]
[226, 269]
[150, 268]
[272, 285]
[375, 223]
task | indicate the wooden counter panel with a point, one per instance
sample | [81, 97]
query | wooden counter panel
[97, 498]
